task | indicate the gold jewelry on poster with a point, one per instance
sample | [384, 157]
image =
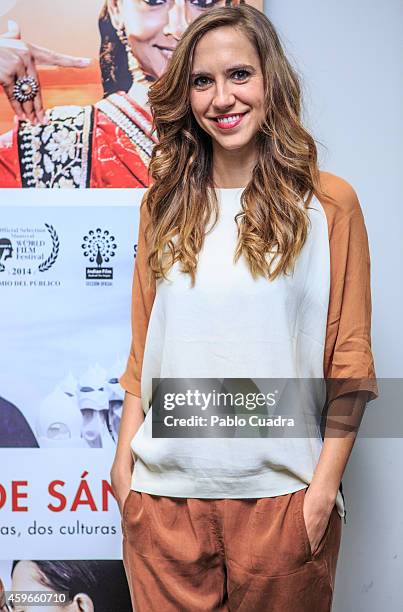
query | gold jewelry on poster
[135, 69]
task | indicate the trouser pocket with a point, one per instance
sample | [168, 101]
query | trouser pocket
[277, 543]
[311, 554]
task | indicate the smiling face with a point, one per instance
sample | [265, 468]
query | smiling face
[154, 27]
[227, 88]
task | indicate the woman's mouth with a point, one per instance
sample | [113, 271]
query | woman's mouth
[166, 51]
[226, 123]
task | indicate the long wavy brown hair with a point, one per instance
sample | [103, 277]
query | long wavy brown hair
[273, 223]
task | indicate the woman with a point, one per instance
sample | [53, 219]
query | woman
[108, 144]
[251, 264]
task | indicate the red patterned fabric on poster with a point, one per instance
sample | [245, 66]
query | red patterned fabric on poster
[106, 145]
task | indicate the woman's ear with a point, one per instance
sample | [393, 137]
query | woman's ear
[83, 603]
[115, 13]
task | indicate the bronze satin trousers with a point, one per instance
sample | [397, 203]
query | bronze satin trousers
[213, 555]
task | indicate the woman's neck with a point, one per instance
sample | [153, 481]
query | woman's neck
[139, 93]
[233, 168]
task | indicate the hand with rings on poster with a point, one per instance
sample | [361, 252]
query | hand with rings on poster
[19, 76]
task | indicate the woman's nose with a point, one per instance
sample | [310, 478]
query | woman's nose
[177, 22]
[223, 98]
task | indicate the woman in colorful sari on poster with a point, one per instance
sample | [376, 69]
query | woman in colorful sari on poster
[108, 144]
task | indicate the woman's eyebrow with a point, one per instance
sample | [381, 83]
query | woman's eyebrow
[228, 70]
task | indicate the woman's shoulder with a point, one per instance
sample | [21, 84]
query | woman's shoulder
[145, 217]
[338, 198]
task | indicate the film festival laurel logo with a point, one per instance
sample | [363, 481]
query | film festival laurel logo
[99, 247]
[25, 251]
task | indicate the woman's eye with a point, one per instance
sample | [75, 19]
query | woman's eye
[244, 74]
[204, 3]
[200, 81]
[155, 2]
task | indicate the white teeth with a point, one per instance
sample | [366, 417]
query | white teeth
[229, 119]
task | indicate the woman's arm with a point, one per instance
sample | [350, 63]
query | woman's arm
[122, 467]
[143, 295]
[348, 362]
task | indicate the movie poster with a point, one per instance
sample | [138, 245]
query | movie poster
[100, 127]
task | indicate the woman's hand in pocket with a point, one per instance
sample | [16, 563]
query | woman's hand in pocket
[122, 467]
[317, 509]
[121, 476]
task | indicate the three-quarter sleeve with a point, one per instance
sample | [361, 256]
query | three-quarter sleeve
[348, 359]
[143, 295]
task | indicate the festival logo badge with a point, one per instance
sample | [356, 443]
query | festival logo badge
[99, 247]
[6, 252]
[26, 253]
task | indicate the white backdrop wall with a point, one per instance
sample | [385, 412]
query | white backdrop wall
[350, 56]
